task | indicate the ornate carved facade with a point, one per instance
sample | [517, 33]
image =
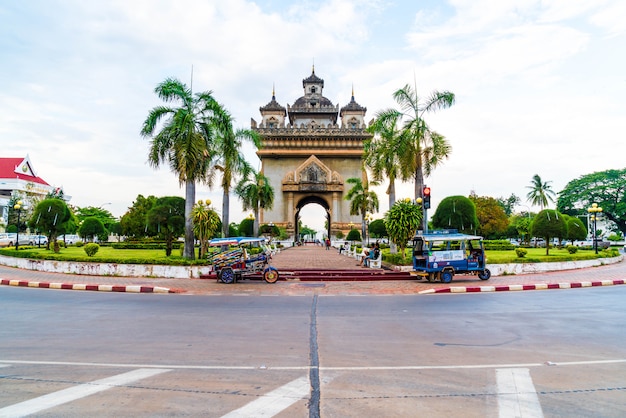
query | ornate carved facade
[309, 150]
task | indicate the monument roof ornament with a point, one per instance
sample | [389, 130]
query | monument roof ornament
[273, 104]
[312, 79]
[353, 105]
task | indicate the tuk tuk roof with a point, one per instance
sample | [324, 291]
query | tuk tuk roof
[218, 242]
[447, 235]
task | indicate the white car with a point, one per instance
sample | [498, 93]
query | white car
[8, 239]
[69, 239]
[38, 240]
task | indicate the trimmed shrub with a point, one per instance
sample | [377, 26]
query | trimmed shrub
[521, 252]
[572, 249]
[91, 249]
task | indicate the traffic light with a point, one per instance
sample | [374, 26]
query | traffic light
[426, 197]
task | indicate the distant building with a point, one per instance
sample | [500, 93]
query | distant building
[17, 177]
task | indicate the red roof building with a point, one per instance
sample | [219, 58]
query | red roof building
[17, 176]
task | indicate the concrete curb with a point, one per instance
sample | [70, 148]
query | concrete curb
[90, 287]
[518, 287]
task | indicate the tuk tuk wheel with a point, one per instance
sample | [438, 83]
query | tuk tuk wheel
[446, 276]
[270, 275]
[484, 275]
[227, 275]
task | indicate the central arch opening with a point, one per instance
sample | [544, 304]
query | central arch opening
[313, 212]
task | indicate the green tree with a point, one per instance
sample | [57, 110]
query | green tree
[509, 203]
[256, 192]
[354, 235]
[382, 157]
[492, 219]
[377, 228]
[606, 188]
[576, 230]
[185, 141]
[402, 221]
[167, 216]
[521, 223]
[548, 224]
[362, 199]
[229, 160]
[540, 192]
[134, 221]
[206, 222]
[246, 227]
[103, 215]
[49, 217]
[91, 227]
[456, 212]
[420, 149]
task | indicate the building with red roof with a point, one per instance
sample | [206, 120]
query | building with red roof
[18, 177]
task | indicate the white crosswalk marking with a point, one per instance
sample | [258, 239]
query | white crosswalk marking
[275, 401]
[71, 394]
[516, 394]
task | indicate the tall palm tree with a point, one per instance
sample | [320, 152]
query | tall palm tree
[229, 159]
[420, 149]
[184, 142]
[540, 192]
[382, 158]
[256, 193]
[362, 199]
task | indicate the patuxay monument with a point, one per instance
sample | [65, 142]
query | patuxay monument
[309, 151]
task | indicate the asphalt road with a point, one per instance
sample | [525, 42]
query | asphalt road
[542, 353]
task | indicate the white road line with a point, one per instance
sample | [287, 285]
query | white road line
[275, 401]
[516, 394]
[322, 368]
[71, 394]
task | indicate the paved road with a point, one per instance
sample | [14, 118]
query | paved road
[552, 354]
[317, 257]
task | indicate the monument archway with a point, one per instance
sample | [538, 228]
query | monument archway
[307, 157]
[312, 200]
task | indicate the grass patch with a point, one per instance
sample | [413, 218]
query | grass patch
[104, 255]
[538, 255]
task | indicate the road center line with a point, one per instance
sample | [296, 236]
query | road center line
[516, 394]
[275, 401]
[50, 400]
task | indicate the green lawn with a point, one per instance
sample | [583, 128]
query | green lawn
[538, 255]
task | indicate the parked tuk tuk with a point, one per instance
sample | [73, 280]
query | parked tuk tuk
[236, 263]
[439, 255]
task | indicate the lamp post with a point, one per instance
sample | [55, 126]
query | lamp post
[18, 208]
[419, 201]
[595, 210]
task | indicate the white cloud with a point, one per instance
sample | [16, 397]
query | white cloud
[539, 85]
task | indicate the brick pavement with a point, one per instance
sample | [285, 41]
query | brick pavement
[308, 257]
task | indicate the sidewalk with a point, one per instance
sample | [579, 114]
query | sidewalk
[313, 257]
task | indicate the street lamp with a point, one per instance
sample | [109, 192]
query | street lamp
[419, 201]
[18, 208]
[595, 210]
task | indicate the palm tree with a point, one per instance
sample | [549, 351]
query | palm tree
[382, 158]
[420, 149]
[362, 200]
[184, 142]
[256, 193]
[540, 192]
[229, 159]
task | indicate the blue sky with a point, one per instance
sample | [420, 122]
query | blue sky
[540, 85]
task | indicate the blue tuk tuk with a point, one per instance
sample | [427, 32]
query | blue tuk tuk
[439, 255]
